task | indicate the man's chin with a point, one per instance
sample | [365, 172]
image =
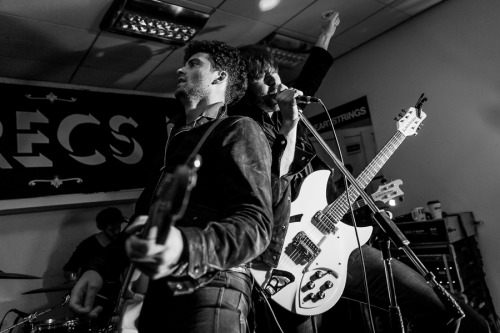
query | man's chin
[268, 103]
[179, 93]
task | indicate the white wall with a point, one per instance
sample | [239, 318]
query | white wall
[452, 54]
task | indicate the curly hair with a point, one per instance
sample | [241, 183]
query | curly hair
[225, 58]
[259, 61]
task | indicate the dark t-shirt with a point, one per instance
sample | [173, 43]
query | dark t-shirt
[86, 250]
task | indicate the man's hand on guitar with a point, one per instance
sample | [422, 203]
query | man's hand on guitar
[155, 260]
[83, 294]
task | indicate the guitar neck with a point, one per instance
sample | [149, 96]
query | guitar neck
[358, 204]
[340, 206]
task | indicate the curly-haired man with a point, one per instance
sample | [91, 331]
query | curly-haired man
[198, 281]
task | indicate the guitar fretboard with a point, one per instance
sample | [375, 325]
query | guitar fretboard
[340, 206]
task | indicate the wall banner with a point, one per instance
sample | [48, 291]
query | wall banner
[57, 141]
[352, 114]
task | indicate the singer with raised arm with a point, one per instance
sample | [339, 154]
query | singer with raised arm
[275, 107]
[198, 279]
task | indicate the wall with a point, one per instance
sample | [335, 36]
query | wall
[451, 53]
[39, 243]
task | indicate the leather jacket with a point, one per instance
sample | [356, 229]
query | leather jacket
[286, 188]
[228, 219]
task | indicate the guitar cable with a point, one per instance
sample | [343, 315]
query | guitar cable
[264, 297]
[346, 185]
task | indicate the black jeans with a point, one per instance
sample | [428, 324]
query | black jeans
[421, 308]
[221, 306]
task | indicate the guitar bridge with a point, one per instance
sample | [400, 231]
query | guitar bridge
[305, 249]
[324, 223]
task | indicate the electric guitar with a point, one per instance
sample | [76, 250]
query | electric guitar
[311, 273]
[168, 206]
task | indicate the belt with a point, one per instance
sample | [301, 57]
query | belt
[238, 269]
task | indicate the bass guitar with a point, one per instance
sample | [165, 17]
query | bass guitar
[168, 205]
[311, 273]
[383, 194]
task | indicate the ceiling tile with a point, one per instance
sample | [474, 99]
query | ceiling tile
[350, 12]
[413, 7]
[28, 69]
[84, 14]
[276, 16]
[386, 2]
[107, 78]
[234, 30]
[209, 3]
[199, 5]
[49, 46]
[370, 27]
[125, 54]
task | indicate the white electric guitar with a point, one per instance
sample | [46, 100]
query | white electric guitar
[311, 272]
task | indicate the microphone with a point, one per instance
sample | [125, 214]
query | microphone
[307, 99]
[302, 99]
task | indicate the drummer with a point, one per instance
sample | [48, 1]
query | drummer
[109, 222]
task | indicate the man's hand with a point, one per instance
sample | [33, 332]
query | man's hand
[83, 294]
[288, 105]
[331, 19]
[155, 260]
[290, 113]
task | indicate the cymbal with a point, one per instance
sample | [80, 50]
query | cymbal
[61, 287]
[4, 275]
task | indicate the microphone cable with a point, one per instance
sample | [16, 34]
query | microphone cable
[346, 191]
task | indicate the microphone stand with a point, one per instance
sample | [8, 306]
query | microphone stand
[395, 235]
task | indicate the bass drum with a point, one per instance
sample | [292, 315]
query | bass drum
[63, 325]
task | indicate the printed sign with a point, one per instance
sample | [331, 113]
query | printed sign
[57, 141]
[353, 114]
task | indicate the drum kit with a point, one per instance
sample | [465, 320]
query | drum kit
[29, 323]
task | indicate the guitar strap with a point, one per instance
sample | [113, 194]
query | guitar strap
[203, 139]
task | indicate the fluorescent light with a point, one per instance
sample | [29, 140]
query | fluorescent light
[154, 20]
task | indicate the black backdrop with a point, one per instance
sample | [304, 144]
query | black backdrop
[62, 141]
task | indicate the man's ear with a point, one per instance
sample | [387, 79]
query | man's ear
[222, 77]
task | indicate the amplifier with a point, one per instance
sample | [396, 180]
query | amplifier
[458, 267]
[446, 230]
[441, 260]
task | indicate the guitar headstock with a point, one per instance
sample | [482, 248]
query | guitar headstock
[388, 191]
[409, 121]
